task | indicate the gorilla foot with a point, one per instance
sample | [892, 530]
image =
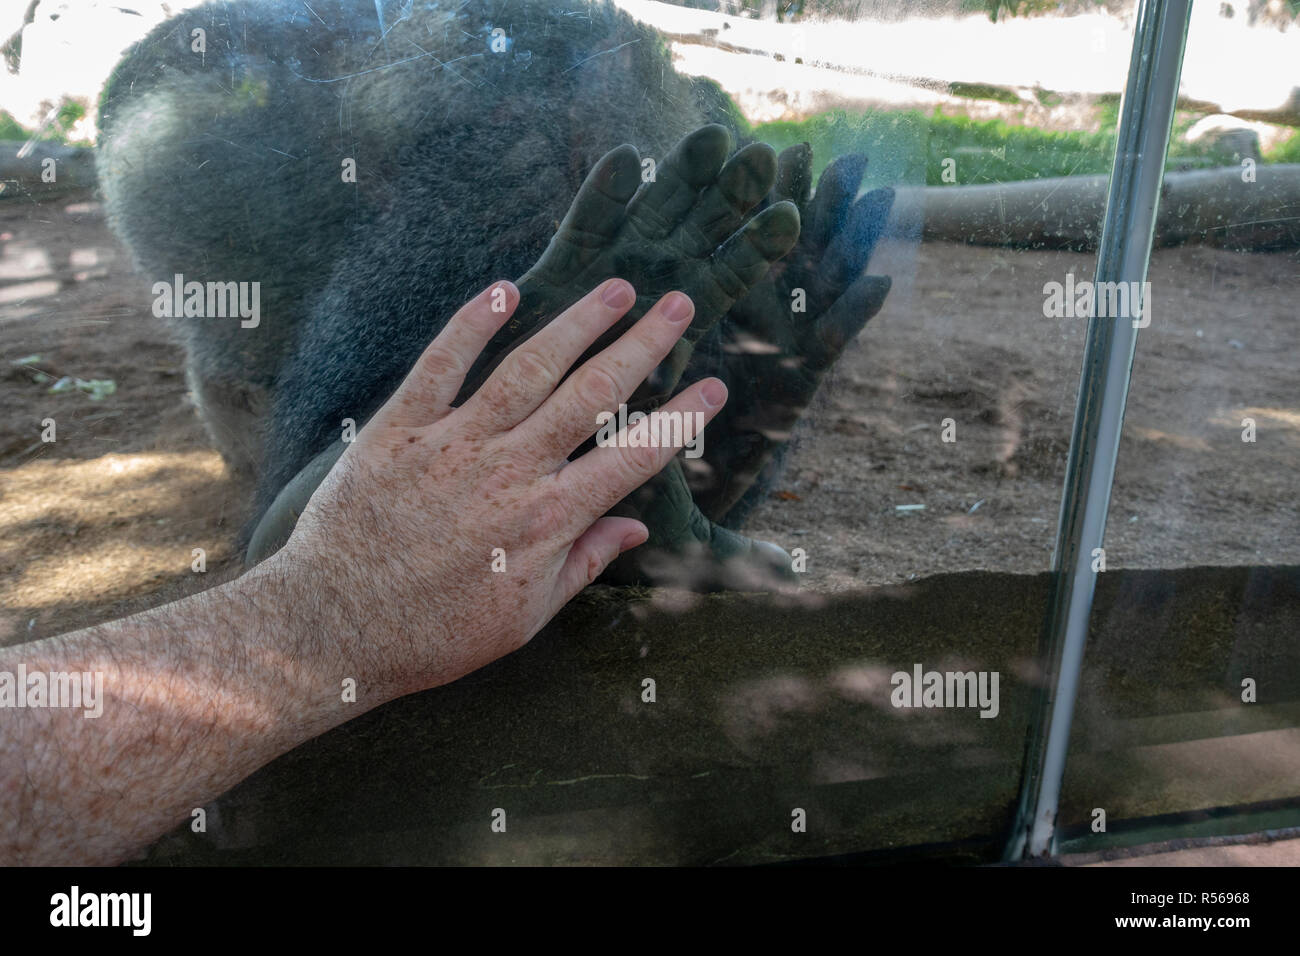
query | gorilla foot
[687, 550]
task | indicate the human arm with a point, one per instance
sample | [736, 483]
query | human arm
[386, 581]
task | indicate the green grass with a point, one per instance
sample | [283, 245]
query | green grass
[911, 147]
[70, 111]
[1288, 151]
[11, 129]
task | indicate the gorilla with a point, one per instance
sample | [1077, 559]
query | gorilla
[372, 166]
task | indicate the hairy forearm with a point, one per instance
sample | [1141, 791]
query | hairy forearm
[383, 589]
[196, 695]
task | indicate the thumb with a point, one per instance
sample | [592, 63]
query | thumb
[594, 550]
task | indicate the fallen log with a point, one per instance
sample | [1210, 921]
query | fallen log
[41, 168]
[1214, 206]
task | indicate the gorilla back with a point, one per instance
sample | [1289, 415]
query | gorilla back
[369, 176]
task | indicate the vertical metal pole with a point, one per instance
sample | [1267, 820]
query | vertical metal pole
[1146, 119]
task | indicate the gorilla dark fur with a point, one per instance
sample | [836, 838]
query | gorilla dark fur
[472, 125]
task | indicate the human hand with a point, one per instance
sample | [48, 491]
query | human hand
[400, 537]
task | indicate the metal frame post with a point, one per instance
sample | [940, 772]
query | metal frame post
[1146, 120]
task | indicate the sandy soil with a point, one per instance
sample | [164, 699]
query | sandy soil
[105, 520]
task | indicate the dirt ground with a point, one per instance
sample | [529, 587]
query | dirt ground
[104, 521]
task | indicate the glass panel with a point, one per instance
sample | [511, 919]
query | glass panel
[1187, 724]
[358, 170]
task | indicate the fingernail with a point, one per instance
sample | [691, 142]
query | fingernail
[678, 307]
[714, 393]
[632, 539]
[617, 295]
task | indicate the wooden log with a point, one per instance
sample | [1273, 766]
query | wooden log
[1213, 206]
[23, 168]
